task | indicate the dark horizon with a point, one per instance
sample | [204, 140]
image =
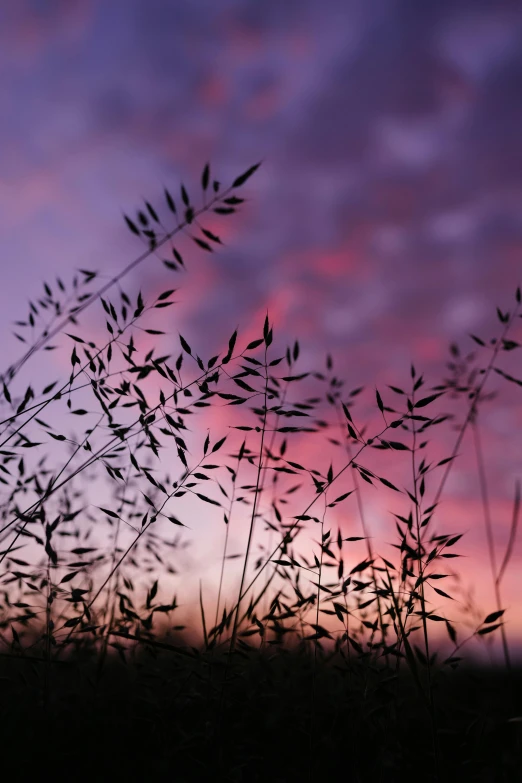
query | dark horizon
[383, 225]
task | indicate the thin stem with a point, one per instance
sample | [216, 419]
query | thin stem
[423, 598]
[314, 675]
[489, 533]
[369, 547]
[254, 508]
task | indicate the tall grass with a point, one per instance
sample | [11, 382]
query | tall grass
[333, 655]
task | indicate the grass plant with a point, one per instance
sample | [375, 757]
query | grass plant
[331, 652]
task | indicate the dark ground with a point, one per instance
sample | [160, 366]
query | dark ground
[166, 714]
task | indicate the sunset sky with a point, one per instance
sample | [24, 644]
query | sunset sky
[384, 223]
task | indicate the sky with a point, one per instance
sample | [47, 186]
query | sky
[383, 224]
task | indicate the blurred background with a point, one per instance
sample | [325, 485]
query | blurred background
[384, 224]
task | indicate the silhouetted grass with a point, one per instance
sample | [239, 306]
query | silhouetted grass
[321, 658]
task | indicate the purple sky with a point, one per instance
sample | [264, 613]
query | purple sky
[384, 223]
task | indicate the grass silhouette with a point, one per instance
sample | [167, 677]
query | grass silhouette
[325, 657]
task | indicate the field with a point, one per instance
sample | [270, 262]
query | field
[316, 651]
